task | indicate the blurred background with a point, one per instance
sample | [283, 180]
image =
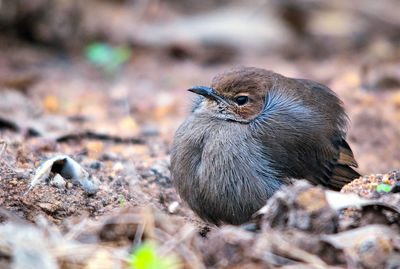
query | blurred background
[121, 67]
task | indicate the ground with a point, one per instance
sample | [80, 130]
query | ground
[118, 124]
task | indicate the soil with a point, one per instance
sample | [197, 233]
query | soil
[119, 125]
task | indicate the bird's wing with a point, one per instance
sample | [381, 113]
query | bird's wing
[329, 163]
[340, 165]
[306, 139]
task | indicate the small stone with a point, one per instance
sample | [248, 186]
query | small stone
[69, 185]
[108, 156]
[58, 181]
[95, 165]
[385, 179]
[173, 207]
[118, 167]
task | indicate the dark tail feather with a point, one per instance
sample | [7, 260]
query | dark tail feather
[341, 175]
[346, 156]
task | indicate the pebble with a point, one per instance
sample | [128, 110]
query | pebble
[58, 181]
[118, 167]
[69, 185]
[95, 165]
[367, 186]
[109, 156]
[173, 207]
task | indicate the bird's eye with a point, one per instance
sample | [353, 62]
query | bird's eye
[241, 100]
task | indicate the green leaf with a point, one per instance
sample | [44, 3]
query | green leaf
[107, 57]
[146, 257]
[99, 53]
[383, 187]
[121, 200]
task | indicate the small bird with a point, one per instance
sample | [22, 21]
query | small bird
[251, 133]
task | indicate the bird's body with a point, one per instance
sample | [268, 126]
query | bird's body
[251, 133]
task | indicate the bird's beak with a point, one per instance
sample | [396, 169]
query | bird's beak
[208, 93]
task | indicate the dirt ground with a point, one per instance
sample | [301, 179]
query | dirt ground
[118, 124]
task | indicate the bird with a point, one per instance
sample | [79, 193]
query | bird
[252, 132]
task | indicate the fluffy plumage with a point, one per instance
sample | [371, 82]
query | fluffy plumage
[252, 132]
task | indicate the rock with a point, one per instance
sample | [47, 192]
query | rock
[66, 167]
[299, 206]
[173, 207]
[58, 181]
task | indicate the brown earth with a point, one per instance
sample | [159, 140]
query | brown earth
[119, 126]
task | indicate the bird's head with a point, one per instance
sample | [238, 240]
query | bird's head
[236, 95]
